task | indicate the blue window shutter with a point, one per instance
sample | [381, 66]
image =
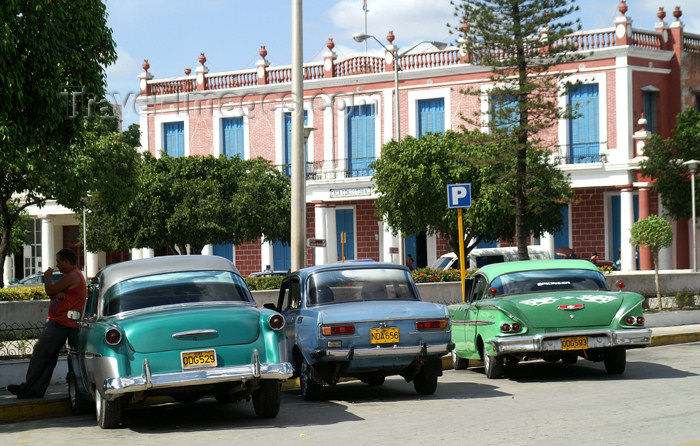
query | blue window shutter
[431, 116]
[650, 111]
[288, 141]
[584, 132]
[232, 136]
[361, 139]
[281, 256]
[174, 138]
[344, 223]
[561, 237]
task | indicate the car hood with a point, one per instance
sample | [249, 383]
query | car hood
[380, 310]
[567, 310]
[153, 330]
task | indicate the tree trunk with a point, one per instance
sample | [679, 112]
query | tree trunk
[655, 256]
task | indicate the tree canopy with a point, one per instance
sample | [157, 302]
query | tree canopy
[664, 163]
[195, 201]
[520, 41]
[53, 55]
[412, 176]
[655, 233]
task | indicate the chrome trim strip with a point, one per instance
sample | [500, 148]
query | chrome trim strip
[472, 323]
[551, 341]
[120, 385]
[202, 332]
[383, 351]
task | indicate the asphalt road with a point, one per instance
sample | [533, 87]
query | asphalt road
[654, 403]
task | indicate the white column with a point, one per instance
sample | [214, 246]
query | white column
[627, 257]
[147, 253]
[8, 271]
[208, 250]
[547, 242]
[390, 241]
[48, 253]
[266, 258]
[91, 264]
[320, 216]
[136, 254]
[665, 254]
[328, 136]
[431, 248]
[331, 236]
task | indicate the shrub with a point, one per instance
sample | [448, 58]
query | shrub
[685, 299]
[264, 283]
[23, 293]
[425, 275]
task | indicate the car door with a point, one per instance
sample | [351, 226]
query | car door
[472, 321]
[79, 336]
[289, 305]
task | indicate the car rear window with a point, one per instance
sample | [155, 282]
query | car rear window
[175, 288]
[523, 282]
[355, 285]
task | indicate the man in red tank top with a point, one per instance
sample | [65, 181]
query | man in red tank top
[67, 294]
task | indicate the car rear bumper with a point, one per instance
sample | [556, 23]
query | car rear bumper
[551, 342]
[414, 350]
[255, 370]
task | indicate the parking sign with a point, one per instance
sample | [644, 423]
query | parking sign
[459, 195]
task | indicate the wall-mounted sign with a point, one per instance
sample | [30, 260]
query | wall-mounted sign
[351, 192]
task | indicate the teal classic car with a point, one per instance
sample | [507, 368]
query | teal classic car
[181, 326]
[556, 310]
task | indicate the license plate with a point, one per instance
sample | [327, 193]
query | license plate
[384, 335]
[198, 359]
[574, 343]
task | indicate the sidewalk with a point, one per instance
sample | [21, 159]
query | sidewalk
[55, 402]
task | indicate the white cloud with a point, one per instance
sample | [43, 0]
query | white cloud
[124, 66]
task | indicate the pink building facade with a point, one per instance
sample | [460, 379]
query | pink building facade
[628, 74]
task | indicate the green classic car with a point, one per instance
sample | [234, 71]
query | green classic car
[180, 326]
[556, 310]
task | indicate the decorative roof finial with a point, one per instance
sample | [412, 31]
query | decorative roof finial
[202, 58]
[622, 7]
[390, 37]
[145, 65]
[661, 14]
[330, 44]
[188, 71]
[263, 51]
[677, 13]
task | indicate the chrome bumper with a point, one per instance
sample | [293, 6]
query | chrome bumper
[416, 350]
[549, 342]
[255, 370]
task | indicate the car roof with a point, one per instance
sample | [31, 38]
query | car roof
[354, 264]
[497, 269]
[118, 272]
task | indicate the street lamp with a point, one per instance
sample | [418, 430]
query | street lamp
[396, 56]
[693, 166]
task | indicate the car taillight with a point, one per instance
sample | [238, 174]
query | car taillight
[276, 322]
[634, 320]
[332, 330]
[630, 320]
[431, 325]
[640, 320]
[113, 336]
[510, 328]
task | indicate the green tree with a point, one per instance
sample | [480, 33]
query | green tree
[655, 233]
[194, 201]
[412, 176]
[663, 163]
[516, 39]
[53, 55]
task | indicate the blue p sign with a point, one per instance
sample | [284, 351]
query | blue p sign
[459, 195]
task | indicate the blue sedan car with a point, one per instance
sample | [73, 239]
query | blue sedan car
[363, 320]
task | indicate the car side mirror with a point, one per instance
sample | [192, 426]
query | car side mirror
[270, 306]
[73, 315]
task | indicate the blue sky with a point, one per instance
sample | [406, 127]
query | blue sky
[172, 33]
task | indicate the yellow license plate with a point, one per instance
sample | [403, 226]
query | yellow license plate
[574, 343]
[384, 335]
[198, 359]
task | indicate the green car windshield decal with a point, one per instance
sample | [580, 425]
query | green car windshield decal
[592, 298]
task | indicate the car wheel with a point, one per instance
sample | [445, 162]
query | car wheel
[615, 359]
[266, 400]
[78, 404]
[374, 379]
[459, 363]
[309, 382]
[493, 366]
[425, 382]
[569, 358]
[108, 412]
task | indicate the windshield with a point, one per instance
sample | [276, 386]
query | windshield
[175, 288]
[444, 262]
[523, 282]
[355, 285]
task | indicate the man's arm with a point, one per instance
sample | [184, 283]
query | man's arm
[68, 281]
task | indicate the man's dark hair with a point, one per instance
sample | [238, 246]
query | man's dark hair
[68, 254]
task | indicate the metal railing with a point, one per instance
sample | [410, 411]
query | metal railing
[17, 340]
[581, 153]
[334, 169]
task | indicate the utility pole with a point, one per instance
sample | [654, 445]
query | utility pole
[298, 201]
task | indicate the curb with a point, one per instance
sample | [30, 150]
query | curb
[678, 338]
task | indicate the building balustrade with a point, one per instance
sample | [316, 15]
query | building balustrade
[334, 169]
[580, 153]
